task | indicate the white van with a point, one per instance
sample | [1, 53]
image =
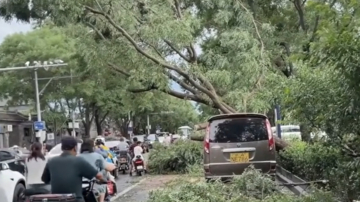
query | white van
[289, 132]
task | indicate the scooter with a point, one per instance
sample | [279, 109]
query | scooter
[139, 165]
[123, 161]
[111, 190]
[41, 195]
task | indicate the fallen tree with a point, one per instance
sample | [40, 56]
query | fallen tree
[279, 143]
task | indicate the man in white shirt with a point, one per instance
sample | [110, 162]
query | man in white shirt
[167, 140]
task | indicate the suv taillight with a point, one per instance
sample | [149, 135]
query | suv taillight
[207, 140]
[270, 135]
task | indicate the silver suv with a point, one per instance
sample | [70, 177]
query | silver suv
[235, 141]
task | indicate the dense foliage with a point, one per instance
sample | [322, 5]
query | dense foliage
[252, 186]
[226, 55]
[180, 157]
[322, 161]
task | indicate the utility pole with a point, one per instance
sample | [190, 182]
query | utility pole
[73, 110]
[38, 110]
[148, 119]
[148, 124]
[34, 67]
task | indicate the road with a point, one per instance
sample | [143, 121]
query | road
[127, 184]
[139, 191]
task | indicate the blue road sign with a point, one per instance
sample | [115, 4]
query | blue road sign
[39, 125]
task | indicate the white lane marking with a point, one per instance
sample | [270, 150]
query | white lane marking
[127, 190]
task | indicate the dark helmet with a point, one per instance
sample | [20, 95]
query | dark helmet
[99, 142]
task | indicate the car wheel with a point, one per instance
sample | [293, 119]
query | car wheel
[18, 192]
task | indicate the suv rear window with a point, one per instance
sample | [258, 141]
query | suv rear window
[238, 130]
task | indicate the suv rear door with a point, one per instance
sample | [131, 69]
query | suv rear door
[237, 142]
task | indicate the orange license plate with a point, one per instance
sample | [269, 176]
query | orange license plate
[239, 157]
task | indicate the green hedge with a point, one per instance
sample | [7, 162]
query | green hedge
[177, 158]
[324, 161]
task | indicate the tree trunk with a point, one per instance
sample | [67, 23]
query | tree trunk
[98, 121]
[88, 121]
[305, 133]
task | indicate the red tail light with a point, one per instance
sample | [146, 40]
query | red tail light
[270, 135]
[207, 140]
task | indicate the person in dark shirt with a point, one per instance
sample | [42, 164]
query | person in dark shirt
[131, 151]
[65, 172]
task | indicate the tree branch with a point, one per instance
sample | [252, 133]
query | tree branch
[155, 60]
[177, 51]
[299, 7]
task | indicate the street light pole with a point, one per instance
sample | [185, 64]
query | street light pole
[38, 110]
[73, 111]
[148, 124]
[34, 67]
[148, 118]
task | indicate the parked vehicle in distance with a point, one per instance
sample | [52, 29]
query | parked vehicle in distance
[288, 132]
[13, 160]
[56, 151]
[12, 184]
[161, 136]
[150, 140]
[235, 141]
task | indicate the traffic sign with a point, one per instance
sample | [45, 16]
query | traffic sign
[50, 136]
[39, 125]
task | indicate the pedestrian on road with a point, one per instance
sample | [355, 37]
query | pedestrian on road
[167, 140]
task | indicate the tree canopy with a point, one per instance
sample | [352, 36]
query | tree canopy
[228, 55]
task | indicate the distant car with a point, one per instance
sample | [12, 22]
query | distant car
[13, 160]
[288, 132]
[150, 140]
[56, 151]
[175, 137]
[235, 141]
[12, 184]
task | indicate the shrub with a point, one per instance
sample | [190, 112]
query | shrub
[252, 186]
[310, 161]
[178, 157]
[323, 160]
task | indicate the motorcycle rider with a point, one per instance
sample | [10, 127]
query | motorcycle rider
[124, 146]
[65, 172]
[104, 150]
[138, 151]
[35, 165]
[97, 160]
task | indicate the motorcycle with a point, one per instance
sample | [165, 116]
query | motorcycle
[42, 194]
[139, 165]
[111, 189]
[123, 161]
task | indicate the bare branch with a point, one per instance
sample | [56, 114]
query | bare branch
[299, 7]
[177, 51]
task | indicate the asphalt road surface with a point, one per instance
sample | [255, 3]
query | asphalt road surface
[125, 182]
